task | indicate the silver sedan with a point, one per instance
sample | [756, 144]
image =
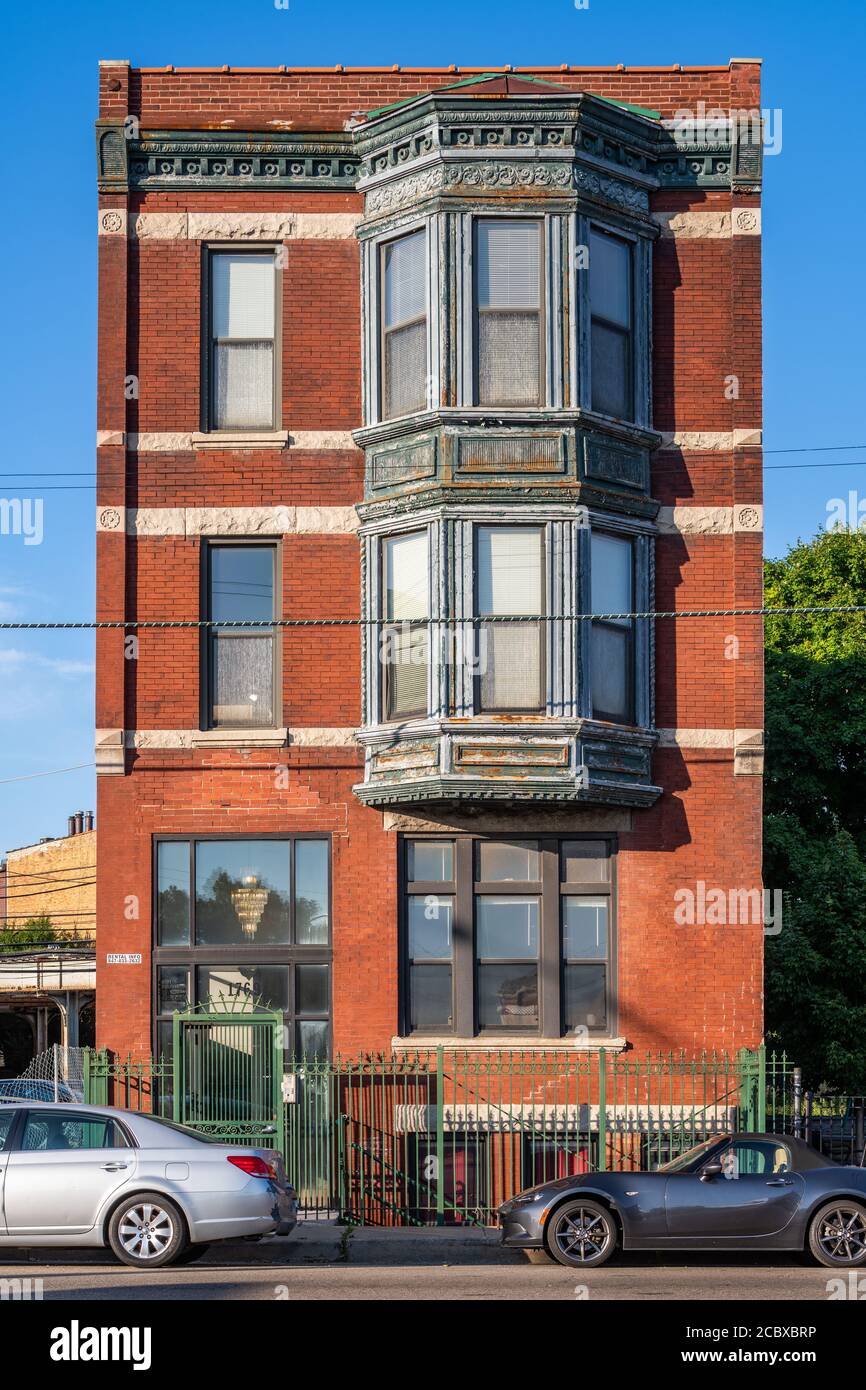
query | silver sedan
[157, 1193]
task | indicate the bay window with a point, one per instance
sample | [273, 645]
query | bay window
[241, 924]
[241, 341]
[508, 316]
[405, 584]
[509, 576]
[612, 639]
[507, 935]
[241, 667]
[403, 312]
[611, 344]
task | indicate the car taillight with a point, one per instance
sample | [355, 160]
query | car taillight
[252, 1164]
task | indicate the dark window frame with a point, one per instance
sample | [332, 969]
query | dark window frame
[550, 889]
[287, 956]
[479, 620]
[210, 250]
[539, 403]
[206, 658]
[599, 229]
[381, 252]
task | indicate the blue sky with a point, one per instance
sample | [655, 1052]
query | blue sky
[813, 279]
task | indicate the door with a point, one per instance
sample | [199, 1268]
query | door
[7, 1122]
[756, 1194]
[64, 1167]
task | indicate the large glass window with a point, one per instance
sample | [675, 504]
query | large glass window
[612, 641]
[242, 667]
[404, 636]
[508, 317]
[610, 294]
[244, 923]
[507, 936]
[510, 582]
[242, 340]
[404, 325]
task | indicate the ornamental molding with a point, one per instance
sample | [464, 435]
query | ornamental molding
[243, 226]
[304, 737]
[186, 441]
[611, 190]
[710, 441]
[241, 521]
[709, 521]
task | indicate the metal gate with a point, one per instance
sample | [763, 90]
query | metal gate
[228, 1073]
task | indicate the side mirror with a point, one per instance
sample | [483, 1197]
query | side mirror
[710, 1171]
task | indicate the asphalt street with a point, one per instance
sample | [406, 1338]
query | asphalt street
[223, 1275]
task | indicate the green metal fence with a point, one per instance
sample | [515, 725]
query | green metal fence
[444, 1136]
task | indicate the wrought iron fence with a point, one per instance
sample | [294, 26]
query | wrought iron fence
[443, 1136]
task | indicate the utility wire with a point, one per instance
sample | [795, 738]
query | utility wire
[477, 619]
[28, 777]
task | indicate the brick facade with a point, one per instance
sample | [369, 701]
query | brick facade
[693, 987]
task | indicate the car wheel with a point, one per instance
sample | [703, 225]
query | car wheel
[581, 1233]
[147, 1231]
[538, 1257]
[837, 1234]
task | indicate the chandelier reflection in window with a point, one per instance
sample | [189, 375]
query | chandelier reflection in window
[249, 900]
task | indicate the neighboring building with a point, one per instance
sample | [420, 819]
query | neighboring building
[55, 879]
[355, 363]
[47, 986]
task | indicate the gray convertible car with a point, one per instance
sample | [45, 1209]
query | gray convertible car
[733, 1192]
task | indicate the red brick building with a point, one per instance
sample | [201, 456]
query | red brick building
[423, 350]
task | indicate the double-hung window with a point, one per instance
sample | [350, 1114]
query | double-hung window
[612, 641]
[241, 662]
[508, 314]
[509, 581]
[405, 641]
[612, 347]
[404, 325]
[507, 936]
[242, 341]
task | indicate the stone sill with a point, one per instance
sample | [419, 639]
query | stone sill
[241, 439]
[240, 738]
[508, 1043]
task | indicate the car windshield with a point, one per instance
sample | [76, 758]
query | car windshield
[183, 1129]
[685, 1160]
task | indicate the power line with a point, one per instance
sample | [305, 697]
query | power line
[257, 624]
[28, 777]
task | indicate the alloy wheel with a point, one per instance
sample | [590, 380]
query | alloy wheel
[146, 1231]
[582, 1234]
[842, 1234]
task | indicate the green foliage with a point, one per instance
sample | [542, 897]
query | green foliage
[36, 931]
[815, 805]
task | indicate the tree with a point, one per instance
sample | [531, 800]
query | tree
[36, 931]
[815, 809]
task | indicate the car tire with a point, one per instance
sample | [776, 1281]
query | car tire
[581, 1234]
[147, 1231]
[837, 1234]
[538, 1257]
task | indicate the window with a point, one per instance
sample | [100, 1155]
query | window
[404, 325]
[51, 1132]
[508, 312]
[611, 350]
[612, 639]
[245, 923]
[507, 936]
[241, 661]
[510, 582]
[753, 1158]
[405, 584]
[242, 347]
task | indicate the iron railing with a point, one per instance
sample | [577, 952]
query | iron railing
[443, 1136]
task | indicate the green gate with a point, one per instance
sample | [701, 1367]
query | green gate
[228, 1073]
